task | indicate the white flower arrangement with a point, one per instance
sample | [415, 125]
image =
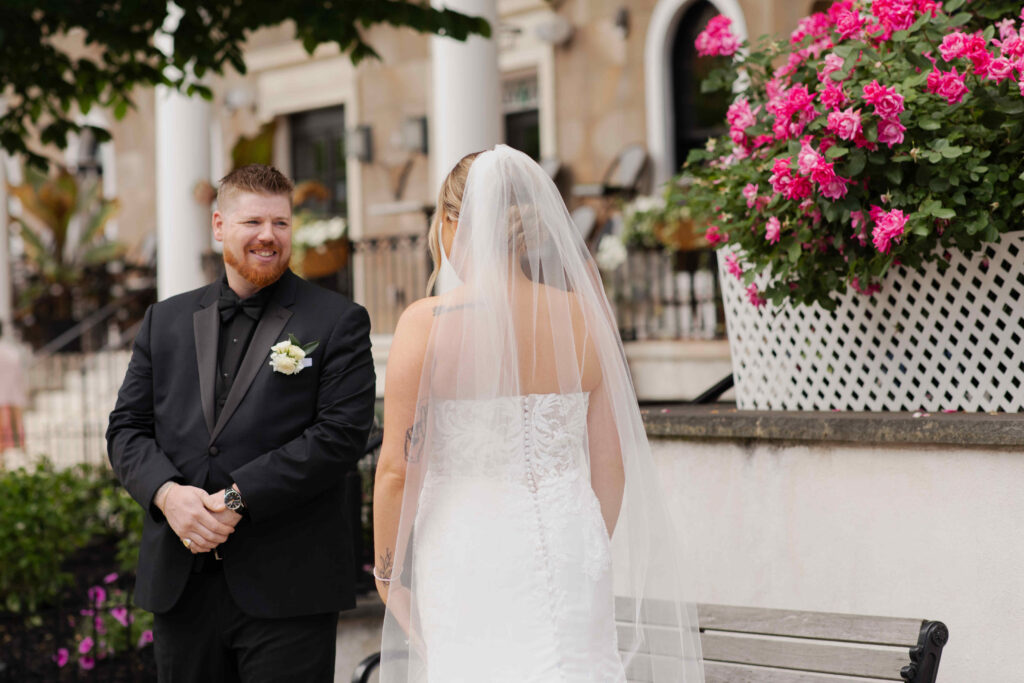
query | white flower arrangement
[316, 234]
[611, 253]
[289, 357]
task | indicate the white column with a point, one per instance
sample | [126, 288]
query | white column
[6, 314]
[466, 89]
[182, 160]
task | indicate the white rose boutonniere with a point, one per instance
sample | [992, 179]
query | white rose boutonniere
[289, 357]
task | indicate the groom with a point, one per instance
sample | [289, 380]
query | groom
[237, 452]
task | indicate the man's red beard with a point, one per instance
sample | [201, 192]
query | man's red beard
[258, 276]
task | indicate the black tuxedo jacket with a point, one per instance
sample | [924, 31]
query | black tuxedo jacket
[287, 440]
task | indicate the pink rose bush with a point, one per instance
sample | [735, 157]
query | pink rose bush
[884, 133]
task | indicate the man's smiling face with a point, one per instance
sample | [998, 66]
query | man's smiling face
[256, 230]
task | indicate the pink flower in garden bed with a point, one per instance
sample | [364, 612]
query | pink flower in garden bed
[62, 657]
[772, 230]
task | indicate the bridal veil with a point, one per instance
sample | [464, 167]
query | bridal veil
[527, 323]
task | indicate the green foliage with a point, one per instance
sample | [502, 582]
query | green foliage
[50, 202]
[47, 82]
[958, 174]
[50, 514]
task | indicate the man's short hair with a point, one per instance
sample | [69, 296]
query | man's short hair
[255, 178]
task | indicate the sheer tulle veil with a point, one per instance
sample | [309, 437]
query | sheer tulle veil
[527, 314]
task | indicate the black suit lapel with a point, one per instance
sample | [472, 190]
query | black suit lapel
[267, 333]
[206, 328]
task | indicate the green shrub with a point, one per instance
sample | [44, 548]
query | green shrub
[46, 515]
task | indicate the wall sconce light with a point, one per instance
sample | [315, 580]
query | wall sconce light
[414, 134]
[557, 30]
[359, 143]
[622, 21]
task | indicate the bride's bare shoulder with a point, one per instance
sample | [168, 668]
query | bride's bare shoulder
[417, 317]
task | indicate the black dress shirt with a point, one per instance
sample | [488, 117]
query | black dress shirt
[238, 322]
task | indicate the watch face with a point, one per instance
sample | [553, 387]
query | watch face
[232, 500]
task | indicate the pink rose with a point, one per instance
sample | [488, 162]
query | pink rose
[750, 194]
[833, 97]
[755, 297]
[808, 158]
[86, 645]
[833, 63]
[773, 230]
[948, 84]
[834, 187]
[740, 115]
[870, 289]
[849, 24]
[733, 266]
[1000, 69]
[953, 46]
[859, 224]
[717, 39]
[895, 15]
[87, 663]
[110, 578]
[845, 124]
[888, 228]
[890, 132]
[714, 236]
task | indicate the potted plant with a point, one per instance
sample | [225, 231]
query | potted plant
[62, 226]
[873, 160]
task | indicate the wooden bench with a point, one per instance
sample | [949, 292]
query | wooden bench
[758, 645]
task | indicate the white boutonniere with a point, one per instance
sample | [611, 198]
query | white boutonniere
[289, 357]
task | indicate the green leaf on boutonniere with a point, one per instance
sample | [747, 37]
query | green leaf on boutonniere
[307, 349]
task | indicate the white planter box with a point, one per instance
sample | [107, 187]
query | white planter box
[927, 341]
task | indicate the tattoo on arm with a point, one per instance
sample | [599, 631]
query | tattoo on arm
[387, 563]
[414, 435]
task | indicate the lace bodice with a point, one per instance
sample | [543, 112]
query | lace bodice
[516, 439]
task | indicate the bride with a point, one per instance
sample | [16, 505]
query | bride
[519, 532]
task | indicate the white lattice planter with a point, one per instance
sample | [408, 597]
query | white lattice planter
[927, 341]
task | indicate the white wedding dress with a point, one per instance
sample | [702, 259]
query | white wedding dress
[512, 560]
[503, 570]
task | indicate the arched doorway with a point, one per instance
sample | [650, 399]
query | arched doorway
[696, 115]
[679, 116]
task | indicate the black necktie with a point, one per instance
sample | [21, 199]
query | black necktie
[229, 305]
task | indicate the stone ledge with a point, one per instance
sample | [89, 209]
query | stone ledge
[724, 421]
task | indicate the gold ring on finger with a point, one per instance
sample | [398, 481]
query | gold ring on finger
[187, 542]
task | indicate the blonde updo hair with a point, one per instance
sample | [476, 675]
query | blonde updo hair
[449, 203]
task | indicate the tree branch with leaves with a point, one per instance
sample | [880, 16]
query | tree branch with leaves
[46, 85]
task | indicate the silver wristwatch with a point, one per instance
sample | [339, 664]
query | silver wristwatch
[233, 500]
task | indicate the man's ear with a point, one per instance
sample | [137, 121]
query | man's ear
[218, 226]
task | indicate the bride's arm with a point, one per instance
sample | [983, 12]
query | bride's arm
[607, 476]
[405, 363]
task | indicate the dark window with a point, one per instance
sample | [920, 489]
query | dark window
[520, 105]
[318, 153]
[698, 115]
[821, 6]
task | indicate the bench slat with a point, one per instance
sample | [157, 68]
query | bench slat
[849, 660]
[851, 628]
[716, 672]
